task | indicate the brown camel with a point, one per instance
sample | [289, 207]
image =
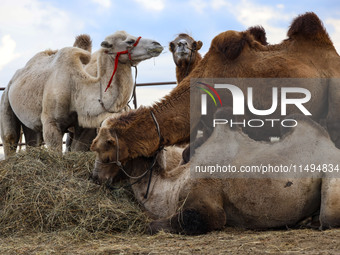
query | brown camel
[185, 51]
[307, 53]
[185, 54]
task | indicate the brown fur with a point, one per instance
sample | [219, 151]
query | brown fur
[309, 27]
[259, 34]
[236, 55]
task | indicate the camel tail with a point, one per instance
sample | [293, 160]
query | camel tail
[309, 27]
[84, 42]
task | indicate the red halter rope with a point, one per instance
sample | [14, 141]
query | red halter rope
[117, 58]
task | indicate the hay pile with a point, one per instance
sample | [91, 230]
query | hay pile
[42, 191]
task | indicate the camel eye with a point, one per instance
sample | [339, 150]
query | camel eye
[130, 42]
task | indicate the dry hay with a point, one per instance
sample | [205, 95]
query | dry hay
[43, 191]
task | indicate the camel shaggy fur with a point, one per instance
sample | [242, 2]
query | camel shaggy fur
[185, 54]
[183, 201]
[307, 53]
[54, 90]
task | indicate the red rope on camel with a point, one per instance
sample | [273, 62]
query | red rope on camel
[117, 58]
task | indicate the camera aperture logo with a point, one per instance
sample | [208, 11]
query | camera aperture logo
[239, 103]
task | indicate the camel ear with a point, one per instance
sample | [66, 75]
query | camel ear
[199, 45]
[110, 142]
[231, 46]
[172, 46]
[105, 44]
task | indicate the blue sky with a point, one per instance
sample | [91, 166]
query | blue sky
[30, 26]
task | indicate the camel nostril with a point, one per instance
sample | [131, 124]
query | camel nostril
[156, 43]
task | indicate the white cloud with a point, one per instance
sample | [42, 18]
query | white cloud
[102, 3]
[198, 5]
[250, 14]
[30, 26]
[7, 50]
[335, 36]
[153, 5]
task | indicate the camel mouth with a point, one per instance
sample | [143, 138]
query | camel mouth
[182, 54]
[155, 51]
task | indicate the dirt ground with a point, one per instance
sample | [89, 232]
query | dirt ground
[229, 241]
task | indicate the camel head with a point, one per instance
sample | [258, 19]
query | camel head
[105, 145]
[184, 49]
[139, 48]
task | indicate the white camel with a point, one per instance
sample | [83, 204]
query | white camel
[54, 91]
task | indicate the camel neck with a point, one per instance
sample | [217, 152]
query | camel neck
[185, 69]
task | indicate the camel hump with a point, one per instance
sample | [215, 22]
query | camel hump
[308, 26]
[259, 34]
[84, 42]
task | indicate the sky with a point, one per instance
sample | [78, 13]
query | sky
[30, 26]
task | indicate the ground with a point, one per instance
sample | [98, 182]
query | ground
[228, 241]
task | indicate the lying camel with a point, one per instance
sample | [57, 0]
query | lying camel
[185, 54]
[181, 202]
[307, 53]
[54, 92]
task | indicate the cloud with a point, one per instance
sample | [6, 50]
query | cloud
[30, 26]
[152, 5]
[250, 14]
[102, 3]
[7, 50]
[335, 36]
[199, 5]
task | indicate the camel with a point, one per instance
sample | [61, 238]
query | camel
[54, 90]
[33, 138]
[307, 53]
[185, 49]
[185, 53]
[186, 200]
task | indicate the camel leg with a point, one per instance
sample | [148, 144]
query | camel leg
[10, 126]
[52, 135]
[330, 203]
[333, 116]
[198, 216]
[83, 138]
[32, 138]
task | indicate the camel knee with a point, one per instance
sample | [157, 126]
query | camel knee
[52, 136]
[330, 203]
[330, 219]
[191, 221]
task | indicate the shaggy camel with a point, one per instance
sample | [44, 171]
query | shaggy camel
[185, 54]
[307, 53]
[183, 201]
[54, 91]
